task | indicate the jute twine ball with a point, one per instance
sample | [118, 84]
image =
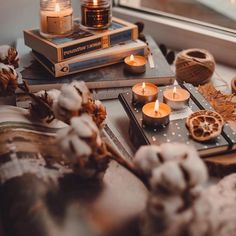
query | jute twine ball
[194, 66]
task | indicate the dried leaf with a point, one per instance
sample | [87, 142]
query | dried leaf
[224, 104]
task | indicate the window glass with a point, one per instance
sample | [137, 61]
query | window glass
[214, 12]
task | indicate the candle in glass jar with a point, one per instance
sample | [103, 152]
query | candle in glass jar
[135, 64]
[176, 98]
[96, 14]
[156, 114]
[143, 93]
[56, 18]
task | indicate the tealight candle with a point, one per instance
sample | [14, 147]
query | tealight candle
[135, 64]
[176, 98]
[56, 18]
[143, 93]
[156, 114]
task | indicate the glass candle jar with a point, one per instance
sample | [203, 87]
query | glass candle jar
[56, 18]
[96, 14]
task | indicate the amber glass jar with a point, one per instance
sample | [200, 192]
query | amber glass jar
[96, 14]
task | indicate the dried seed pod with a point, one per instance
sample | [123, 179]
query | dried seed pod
[9, 56]
[204, 128]
[207, 113]
[148, 159]
[83, 91]
[96, 110]
[8, 80]
[68, 105]
[42, 103]
[50, 97]
[84, 148]
[175, 183]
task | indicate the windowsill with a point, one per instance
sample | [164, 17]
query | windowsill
[181, 35]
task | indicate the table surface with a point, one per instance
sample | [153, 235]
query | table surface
[119, 121]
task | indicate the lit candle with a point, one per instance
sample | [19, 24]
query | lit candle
[156, 114]
[135, 64]
[96, 14]
[143, 93]
[176, 98]
[56, 19]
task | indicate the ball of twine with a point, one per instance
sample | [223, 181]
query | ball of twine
[194, 66]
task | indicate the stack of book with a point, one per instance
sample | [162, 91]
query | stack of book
[85, 49]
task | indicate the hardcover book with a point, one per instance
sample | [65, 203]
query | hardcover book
[100, 58]
[81, 41]
[112, 76]
[176, 130]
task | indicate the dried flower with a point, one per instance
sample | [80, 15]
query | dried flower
[9, 56]
[224, 104]
[74, 100]
[96, 110]
[84, 148]
[42, 103]
[8, 80]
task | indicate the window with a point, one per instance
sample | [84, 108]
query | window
[214, 13]
[181, 24]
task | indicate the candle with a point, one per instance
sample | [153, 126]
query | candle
[156, 114]
[135, 64]
[143, 93]
[96, 14]
[176, 98]
[56, 18]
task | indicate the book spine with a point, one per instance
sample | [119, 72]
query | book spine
[66, 68]
[98, 43]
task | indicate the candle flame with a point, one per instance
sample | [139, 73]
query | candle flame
[157, 105]
[131, 58]
[57, 7]
[95, 2]
[143, 87]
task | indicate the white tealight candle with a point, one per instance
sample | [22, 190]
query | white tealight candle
[143, 93]
[135, 64]
[176, 98]
[156, 114]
